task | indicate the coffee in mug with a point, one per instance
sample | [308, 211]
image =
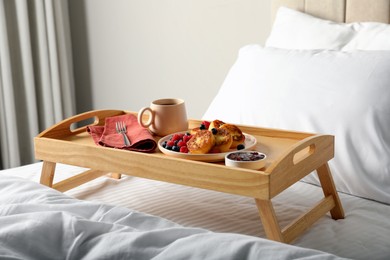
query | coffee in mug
[166, 116]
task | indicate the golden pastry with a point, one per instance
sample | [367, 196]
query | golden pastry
[237, 135]
[201, 142]
[216, 124]
[223, 141]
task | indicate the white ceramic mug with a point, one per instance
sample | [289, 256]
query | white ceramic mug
[166, 116]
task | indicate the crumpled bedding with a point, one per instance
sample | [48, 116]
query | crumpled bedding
[37, 222]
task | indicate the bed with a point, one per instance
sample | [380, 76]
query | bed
[320, 67]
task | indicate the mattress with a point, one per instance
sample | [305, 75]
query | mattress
[363, 234]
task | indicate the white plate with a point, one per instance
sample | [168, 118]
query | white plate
[250, 142]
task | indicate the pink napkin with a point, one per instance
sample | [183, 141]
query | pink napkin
[140, 138]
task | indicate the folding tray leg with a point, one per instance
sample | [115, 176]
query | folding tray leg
[268, 218]
[115, 175]
[47, 174]
[329, 189]
[330, 203]
[47, 177]
[297, 226]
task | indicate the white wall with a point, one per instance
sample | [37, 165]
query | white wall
[129, 52]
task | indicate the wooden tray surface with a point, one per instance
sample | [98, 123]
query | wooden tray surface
[287, 153]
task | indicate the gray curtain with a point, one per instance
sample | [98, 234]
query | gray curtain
[36, 74]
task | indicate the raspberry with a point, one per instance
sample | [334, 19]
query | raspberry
[176, 137]
[170, 143]
[184, 149]
[186, 138]
[181, 143]
[206, 124]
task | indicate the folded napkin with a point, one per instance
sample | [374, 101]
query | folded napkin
[140, 138]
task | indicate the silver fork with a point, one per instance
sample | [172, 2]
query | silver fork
[121, 129]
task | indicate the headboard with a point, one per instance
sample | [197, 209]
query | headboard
[340, 10]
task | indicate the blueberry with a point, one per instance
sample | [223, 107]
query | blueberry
[188, 133]
[164, 144]
[168, 147]
[214, 131]
[176, 148]
[240, 147]
[202, 127]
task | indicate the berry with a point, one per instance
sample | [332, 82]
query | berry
[202, 127]
[177, 142]
[240, 147]
[214, 131]
[184, 149]
[206, 124]
[181, 143]
[176, 137]
[186, 138]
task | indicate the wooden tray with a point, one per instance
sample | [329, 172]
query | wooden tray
[290, 157]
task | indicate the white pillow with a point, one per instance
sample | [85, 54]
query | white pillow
[369, 36]
[345, 94]
[296, 30]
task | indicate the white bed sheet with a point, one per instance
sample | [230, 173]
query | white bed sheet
[41, 223]
[363, 234]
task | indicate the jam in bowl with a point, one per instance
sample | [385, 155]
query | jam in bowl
[246, 159]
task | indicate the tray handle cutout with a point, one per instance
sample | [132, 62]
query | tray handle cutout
[299, 160]
[303, 154]
[83, 124]
[78, 123]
